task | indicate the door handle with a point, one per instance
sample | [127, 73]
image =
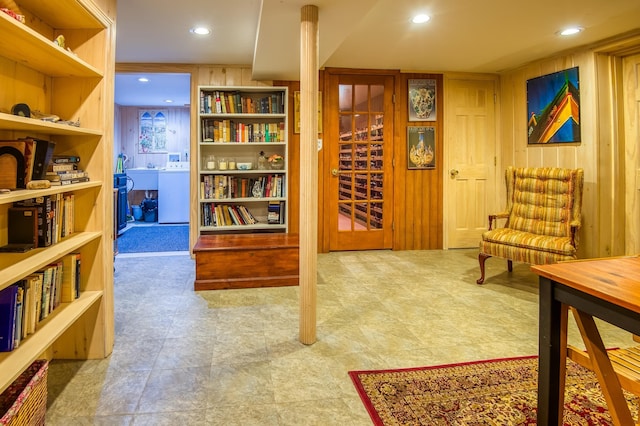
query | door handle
[334, 172]
[453, 173]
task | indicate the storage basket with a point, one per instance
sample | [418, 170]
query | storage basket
[25, 401]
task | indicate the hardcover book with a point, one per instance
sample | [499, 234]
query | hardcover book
[8, 300]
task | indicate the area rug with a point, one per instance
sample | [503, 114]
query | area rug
[492, 392]
[154, 238]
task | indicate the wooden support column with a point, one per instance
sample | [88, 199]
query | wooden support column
[308, 172]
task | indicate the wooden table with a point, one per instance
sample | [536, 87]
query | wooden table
[608, 289]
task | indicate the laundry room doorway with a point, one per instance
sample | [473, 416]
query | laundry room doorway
[152, 138]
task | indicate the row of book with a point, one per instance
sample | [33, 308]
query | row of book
[54, 216]
[64, 170]
[226, 215]
[217, 102]
[230, 131]
[25, 304]
[275, 212]
[219, 187]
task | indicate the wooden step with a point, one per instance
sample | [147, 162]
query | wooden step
[228, 261]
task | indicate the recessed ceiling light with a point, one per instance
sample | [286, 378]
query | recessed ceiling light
[143, 80]
[200, 30]
[169, 101]
[420, 19]
[570, 31]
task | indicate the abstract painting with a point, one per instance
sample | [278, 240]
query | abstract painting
[553, 106]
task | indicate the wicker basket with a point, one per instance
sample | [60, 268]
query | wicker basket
[25, 401]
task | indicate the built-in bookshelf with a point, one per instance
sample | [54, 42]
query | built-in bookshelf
[74, 82]
[242, 159]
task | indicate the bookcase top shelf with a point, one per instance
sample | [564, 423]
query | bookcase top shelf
[28, 47]
[17, 123]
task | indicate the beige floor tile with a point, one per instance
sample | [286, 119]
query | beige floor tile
[233, 357]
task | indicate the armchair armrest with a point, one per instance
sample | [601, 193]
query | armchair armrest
[494, 217]
[575, 225]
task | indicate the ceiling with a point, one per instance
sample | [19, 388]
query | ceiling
[462, 36]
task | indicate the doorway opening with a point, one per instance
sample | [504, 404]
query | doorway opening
[152, 138]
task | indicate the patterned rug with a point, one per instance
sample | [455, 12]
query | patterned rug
[493, 392]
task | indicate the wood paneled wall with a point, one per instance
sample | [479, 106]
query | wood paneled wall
[126, 140]
[418, 195]
[601, 152]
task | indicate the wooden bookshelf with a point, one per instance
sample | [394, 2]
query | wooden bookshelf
[235, 124]
[77, 86]
[254, 250]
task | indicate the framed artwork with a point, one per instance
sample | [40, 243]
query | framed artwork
[421, 148]
[152, 137]
[422, 100]
[553, 106]
[296, 112]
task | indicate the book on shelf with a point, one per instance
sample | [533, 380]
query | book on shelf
[17, 331]
[215, 130]
[8, 300]
[62, 159]
[44, 217]
[43, 153]
[23, 225]
[32, 299]
[236, 102]
[216, 215]
[70, 277]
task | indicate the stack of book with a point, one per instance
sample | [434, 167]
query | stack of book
[64, 170]
[26, 303]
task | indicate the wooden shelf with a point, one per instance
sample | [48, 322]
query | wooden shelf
[256, 227]
[241, 151]
[14, 122]
[241, 200]
[45, 75]
[25, 194]
[27, 47]
[63, 13]
[248, 144]
[14, 266]
[59, 320]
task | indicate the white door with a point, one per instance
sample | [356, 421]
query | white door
[470, 180]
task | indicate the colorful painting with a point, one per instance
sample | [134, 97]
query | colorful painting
[553, 105]
[422, 100]
[153, 132]
[421, 148]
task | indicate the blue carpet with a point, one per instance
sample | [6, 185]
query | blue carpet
[142, 239]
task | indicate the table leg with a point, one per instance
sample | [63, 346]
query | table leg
[552, 356]
[601, 364]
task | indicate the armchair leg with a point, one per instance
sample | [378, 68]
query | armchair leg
[510, 265]
[482, 257]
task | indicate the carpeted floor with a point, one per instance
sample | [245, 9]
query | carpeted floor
[495, 392]
[154, 238]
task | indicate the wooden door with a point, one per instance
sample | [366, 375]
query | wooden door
[470, 151]
[359, 149]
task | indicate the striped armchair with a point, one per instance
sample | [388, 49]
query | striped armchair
[542, 218]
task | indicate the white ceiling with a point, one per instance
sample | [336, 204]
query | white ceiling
[463, 35]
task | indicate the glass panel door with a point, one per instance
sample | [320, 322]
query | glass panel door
[363, 173]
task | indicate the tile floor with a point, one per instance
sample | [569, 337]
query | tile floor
[232, 357]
